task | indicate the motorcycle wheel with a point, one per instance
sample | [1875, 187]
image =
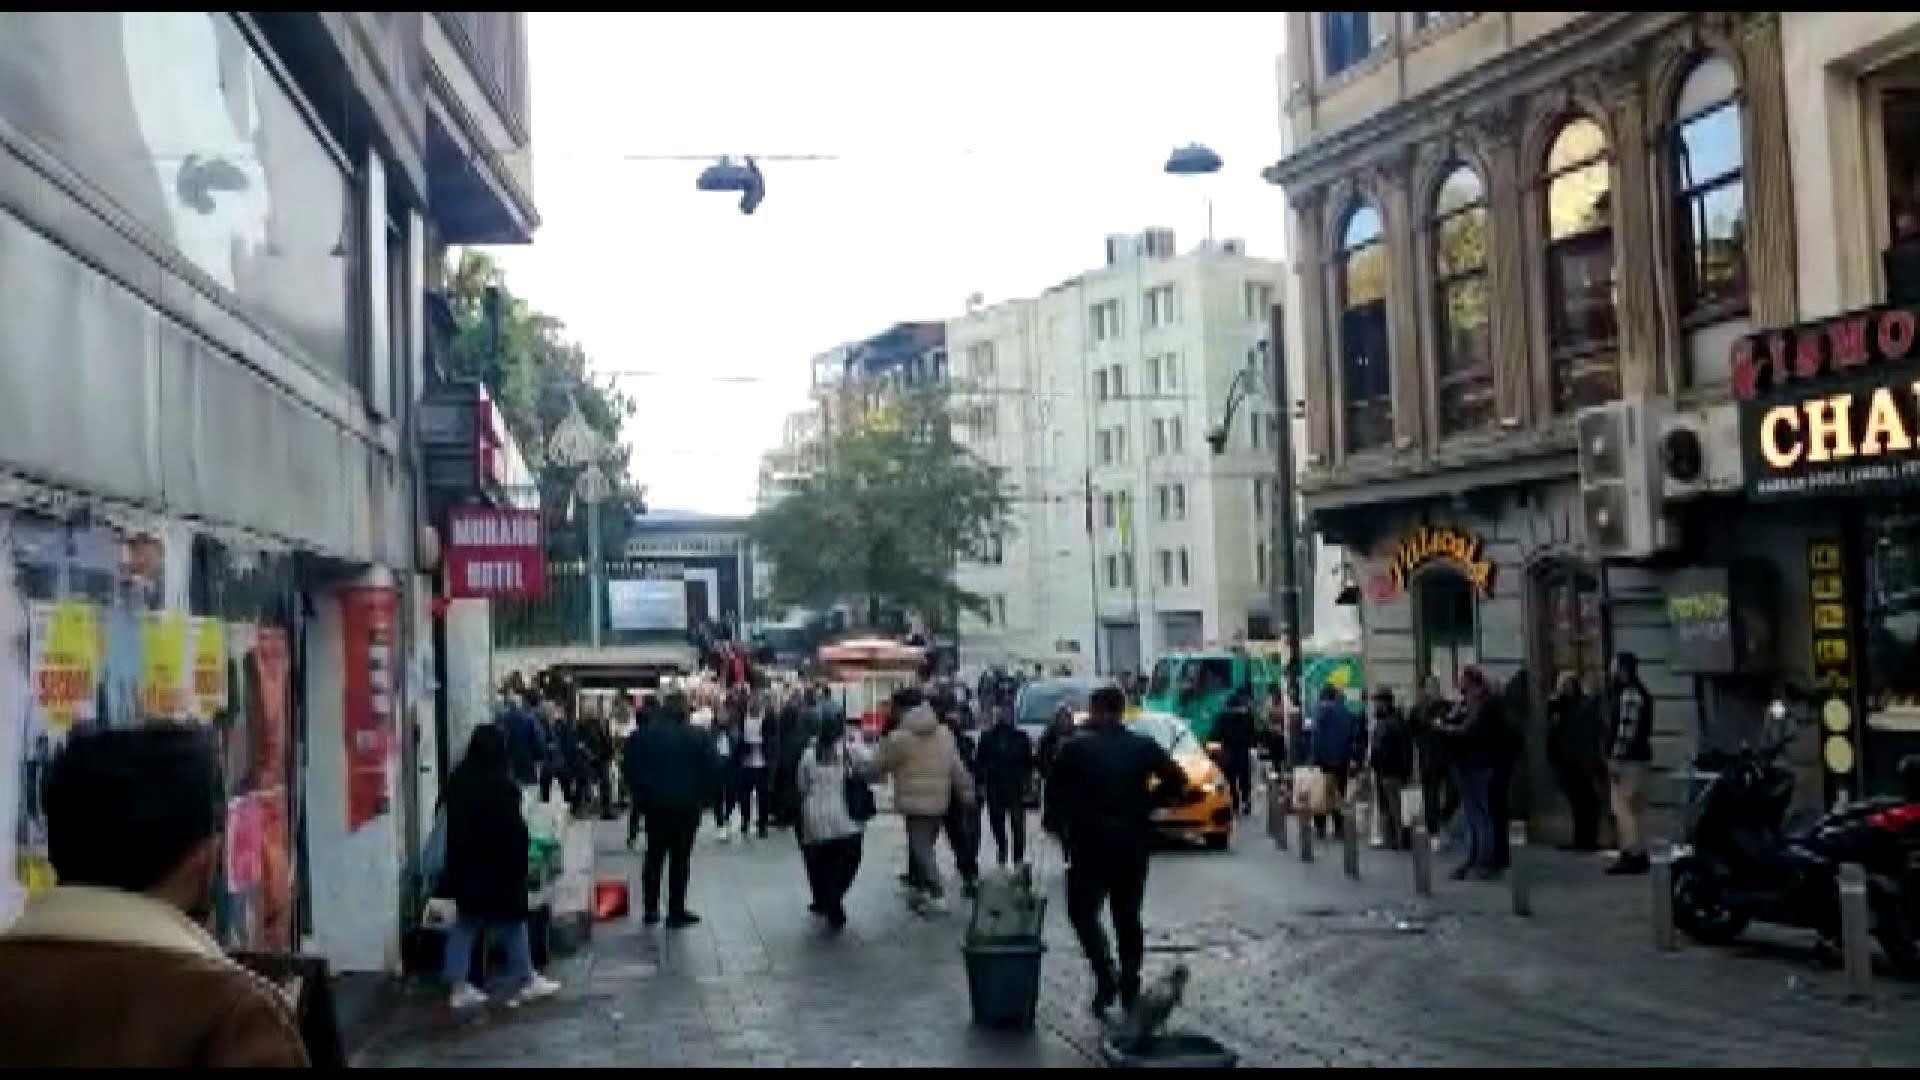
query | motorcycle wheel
[1698, 910]
[1893, 928]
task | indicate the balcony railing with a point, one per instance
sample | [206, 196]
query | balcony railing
[495, 45]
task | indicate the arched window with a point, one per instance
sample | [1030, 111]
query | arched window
[1361, 269]
[1463, 347]
[1710, 195]
[1583, 332]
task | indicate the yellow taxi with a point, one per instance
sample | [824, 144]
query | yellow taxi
[1208, 818]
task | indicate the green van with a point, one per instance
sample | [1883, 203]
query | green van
[1196, 686]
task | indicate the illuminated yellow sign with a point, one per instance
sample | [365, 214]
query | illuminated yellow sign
[1426, 544]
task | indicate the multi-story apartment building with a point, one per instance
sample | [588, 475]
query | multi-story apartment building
[219, 233]
[1129, 536]
[1503, 222]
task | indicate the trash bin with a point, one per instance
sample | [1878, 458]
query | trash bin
[1003, 982]
[1175, 1050]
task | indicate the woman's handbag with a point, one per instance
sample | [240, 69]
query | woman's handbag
[861, 805]
[1310, 790]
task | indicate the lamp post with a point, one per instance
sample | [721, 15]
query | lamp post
[1195, 159]
[1284, 586]
[575, 443]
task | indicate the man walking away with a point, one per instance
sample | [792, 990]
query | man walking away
[1332, 747]
[1005, 761]
[962, 822]
[630, 765]
[678, 773]
[526, 740]
[1236, 733]
[1392, 758]
[924, 763]
[114, 968]
[1630, 724]
[1106, 784]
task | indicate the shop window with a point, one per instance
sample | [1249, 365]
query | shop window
[1361, 284]
[1448, 638]
[1893, 615]
[1582, 322]
[1347, 39]
[1900, 119]
[1463, 345]
[1710, 195]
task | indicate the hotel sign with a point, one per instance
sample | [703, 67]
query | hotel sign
[1831, 407]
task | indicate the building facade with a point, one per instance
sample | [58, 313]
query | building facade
[218, 236]
[1525, 245]
[1130, 536]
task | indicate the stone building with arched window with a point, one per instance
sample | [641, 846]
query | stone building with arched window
[1500, 219]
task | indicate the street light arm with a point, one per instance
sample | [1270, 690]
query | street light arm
[1237, 392]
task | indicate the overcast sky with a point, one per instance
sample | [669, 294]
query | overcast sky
[981, 152]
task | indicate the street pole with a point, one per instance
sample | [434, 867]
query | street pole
[1286, 526]
[593, 571]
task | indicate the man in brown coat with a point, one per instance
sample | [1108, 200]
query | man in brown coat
[928, 773]
[114, 968]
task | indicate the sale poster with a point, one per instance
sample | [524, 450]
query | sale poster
[163, 665]
[367, 618]
[65, 652]
[209, 668]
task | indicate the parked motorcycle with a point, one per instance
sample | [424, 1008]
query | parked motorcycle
[1740, 863]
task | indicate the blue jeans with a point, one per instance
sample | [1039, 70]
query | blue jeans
[457, 964]
[1477, 802]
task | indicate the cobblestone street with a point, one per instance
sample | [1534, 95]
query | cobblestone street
[1293, 965]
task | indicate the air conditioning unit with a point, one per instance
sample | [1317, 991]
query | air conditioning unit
[1620, 479]
[1699, 453]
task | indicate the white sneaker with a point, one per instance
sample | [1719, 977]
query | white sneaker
[467, 996]
[538, 988]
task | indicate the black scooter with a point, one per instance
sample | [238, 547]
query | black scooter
[1741, 864]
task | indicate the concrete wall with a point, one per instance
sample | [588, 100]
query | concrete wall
[470, 679]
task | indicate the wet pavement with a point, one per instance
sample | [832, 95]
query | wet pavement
[1293, 965]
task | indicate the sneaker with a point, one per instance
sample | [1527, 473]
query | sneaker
[682, 920]
[467, 996]
[538, 988]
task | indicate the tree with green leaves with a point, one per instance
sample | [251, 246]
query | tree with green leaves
[536, 375]
[881, 525]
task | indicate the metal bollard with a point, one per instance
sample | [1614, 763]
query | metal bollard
[1350, 843]
[1660, 901]
[1306, 836]
[1422, 860]
[1276, 811]
[1519, 878]
[1856, 922]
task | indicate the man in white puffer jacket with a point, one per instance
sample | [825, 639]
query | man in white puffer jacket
[923, 761]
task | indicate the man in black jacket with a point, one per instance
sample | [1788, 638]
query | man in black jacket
[676, 774]
[1236, 733]
[1004, 765]
[1105, 786]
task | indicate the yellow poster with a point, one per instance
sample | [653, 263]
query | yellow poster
[66, 663]
[163, 665]
[209, 668]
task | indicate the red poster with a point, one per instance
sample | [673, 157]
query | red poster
[494, 553]
[276, 870]
[245, 839]
[367, 638]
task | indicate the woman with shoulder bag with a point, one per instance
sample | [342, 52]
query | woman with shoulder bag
[835, 805]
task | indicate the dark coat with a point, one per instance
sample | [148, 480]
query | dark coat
[1336, 739]
[1237, 730]
[1393, 749]
[1004, 762]
[486, 872]
[526, 743]
[675, 768]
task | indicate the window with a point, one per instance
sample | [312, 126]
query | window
[1159, 307]
[1120, 445]
[1259, 499]
[1273, 430]
[980, 361]
[1166, 566]
[1107, 513]
[1100, 390]
[1126, 513]
[1000, 611]
[1361, 273]
[1446, 642]
[1159, 435]
[1582, 324]
[1259, 300]
[1710, 196]
[1117, 381]
[1103, 446]
[1177, 436]
[1113, 571]
[1106, 320]
[1186, 567]
[1260, 562]
[1180, 502]
[983, 421]
[1171, 376]
[1165, 498]
[1461, 337]
[1153, 375]
[1255, 429]
[1347, 39]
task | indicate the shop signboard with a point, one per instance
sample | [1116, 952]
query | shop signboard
[1700, 611]
[367, 619]
[1424, 545]
[163, 665]
[495, 553]
[1831, 407]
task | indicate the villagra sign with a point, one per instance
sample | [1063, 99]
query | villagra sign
[1831, 407]
[492, 553]
[1426, 544]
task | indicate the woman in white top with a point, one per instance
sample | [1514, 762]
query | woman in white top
[830, 836]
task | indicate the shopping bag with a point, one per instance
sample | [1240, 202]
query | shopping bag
[439, 913]
[1309, 790]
